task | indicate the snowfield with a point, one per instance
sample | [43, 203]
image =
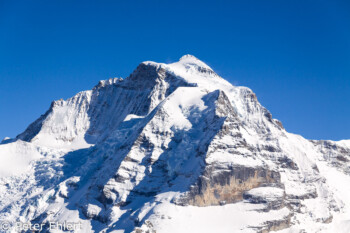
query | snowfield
[171, 148]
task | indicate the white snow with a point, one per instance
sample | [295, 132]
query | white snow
[16, 158]
[268, 193]
[240, 217]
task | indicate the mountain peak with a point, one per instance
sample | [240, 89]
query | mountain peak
[138, 154]
[188, 56]
[193, 61]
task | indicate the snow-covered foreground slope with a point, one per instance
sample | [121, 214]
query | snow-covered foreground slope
[172, 148]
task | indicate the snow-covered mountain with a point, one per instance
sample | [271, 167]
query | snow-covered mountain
[171, 148]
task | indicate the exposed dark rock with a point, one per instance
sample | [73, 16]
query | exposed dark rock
[277, 225]
[272, 197]
[287, 163]
[228, 186]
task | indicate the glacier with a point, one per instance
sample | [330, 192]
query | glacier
[171, 148]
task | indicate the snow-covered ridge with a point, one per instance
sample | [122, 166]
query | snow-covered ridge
[153, 81]
[163, 149]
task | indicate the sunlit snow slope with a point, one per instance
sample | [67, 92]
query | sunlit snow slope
[172, 148]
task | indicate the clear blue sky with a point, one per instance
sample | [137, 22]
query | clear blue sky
[295, 55]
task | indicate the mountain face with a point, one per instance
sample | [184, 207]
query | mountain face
[171, 148]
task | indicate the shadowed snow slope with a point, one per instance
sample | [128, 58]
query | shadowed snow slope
[172, 148]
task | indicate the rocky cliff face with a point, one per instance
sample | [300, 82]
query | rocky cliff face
[172, 148]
